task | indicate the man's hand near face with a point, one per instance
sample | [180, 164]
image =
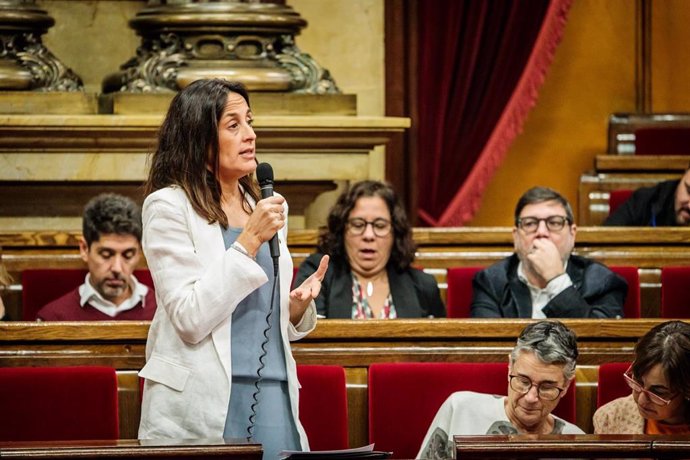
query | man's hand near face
[544, 260]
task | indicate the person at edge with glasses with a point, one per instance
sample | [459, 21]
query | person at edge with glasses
[660, 382]
[540, 372]
[370, 276]
[543, 279]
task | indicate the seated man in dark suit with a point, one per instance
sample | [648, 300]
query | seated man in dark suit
[111, 247]
[666, 204]
[543, 279]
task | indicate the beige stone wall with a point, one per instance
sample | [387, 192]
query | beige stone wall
[92, 37]
[670, 56]
[592, 76]
[346, 37]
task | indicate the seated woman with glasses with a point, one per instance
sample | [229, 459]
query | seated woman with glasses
[660, 382]
[370, 275]
[541, 371]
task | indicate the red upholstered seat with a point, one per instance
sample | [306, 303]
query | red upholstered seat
[675, 292]
[459, 292]
[667, 140]
[41, 286]
[631, 308]
[295, 269]
[58, 403]
[617, 198]
[323, 406]
[611, 382]
[404, 398]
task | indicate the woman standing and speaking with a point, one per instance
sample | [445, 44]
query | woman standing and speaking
[206, 234]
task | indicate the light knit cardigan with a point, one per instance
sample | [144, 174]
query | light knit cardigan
[619, 416]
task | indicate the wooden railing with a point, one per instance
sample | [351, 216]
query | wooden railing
[438, 247]
[198, 449]
[649, 249]
[352, 344]
[572, 446]
[53, 164]
[623, 127]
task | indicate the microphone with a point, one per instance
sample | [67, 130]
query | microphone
[264, 174]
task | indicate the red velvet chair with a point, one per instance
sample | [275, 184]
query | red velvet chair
[631, 308]
[675, 292]
[323, 406]
[459, 292]
[58, 403]
[667, 140]
[617, 198]
[295, 269]
[43, 285]
[611, 382]
[404, 398]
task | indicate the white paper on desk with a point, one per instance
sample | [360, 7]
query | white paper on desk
[316, 453]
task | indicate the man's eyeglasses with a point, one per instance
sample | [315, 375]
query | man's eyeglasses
[381, 227]
[531, 224]
[638, 388]
[545, 391]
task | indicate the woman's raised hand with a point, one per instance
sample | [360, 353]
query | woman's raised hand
[307, 291]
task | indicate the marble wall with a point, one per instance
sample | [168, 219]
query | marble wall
[93, 38]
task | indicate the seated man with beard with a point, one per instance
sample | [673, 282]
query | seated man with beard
[666, 204]
[111, 247]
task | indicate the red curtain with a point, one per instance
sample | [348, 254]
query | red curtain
[481, 64]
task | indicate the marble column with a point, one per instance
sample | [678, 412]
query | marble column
[25, 63]
[248, 41]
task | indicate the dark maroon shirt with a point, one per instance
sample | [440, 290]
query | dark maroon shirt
[67, 308]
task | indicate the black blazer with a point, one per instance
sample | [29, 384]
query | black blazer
[648, 207]
[415, 293]
[596, 292]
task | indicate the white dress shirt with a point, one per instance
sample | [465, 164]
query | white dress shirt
[88, 294]
[541, 297]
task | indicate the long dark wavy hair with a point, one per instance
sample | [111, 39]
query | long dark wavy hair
[667, 344]
[187, 152]
[332, 238]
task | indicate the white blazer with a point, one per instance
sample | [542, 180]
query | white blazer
[198, 286]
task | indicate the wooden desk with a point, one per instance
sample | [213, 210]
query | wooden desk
[352, 344]
[571, 446]
[675, 164]
[622, 128]
[52, 164]
[437, 247]
[649, 249]
[198, 449]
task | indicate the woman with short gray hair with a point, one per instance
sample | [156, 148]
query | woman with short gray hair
[552, 342]
[541, 372]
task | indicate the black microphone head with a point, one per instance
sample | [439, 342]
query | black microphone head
[264, 174]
